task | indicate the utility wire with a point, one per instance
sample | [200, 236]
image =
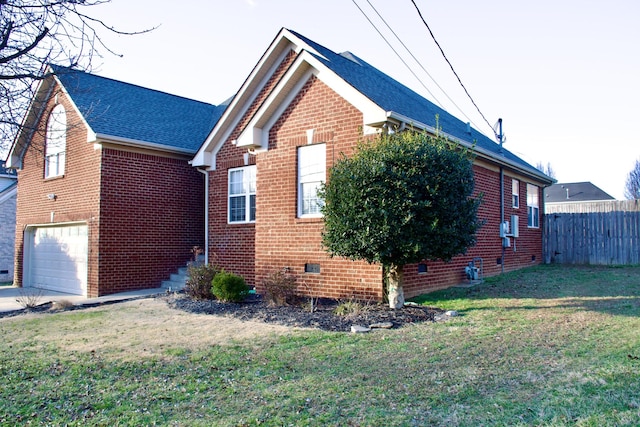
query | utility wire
[451, 66]
[419, 63]
[397, 54]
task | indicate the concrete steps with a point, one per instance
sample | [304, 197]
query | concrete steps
[178, 280]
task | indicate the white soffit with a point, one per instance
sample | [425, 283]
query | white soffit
[255, 135]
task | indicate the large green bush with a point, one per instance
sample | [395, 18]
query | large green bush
[229, 287]
[400, 199]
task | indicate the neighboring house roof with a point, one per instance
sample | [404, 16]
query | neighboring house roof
[574, 192]
[388, 100]
[8, 172]
[125, 113]
[8, 192]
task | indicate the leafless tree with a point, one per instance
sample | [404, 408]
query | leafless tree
[547, 170]
[632, 186]
[36, 33]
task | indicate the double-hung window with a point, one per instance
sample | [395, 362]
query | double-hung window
[533, 209]
[56, 143]
[312, 171]
[515, 193]
[242, 195]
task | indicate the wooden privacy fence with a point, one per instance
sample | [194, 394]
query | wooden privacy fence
[602, 233]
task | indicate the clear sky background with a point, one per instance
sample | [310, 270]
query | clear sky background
[563, 75]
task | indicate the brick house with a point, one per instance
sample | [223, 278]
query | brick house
[299, 109]
[107, 200]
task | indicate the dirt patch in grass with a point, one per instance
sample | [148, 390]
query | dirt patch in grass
[157, 326]
[145, 327]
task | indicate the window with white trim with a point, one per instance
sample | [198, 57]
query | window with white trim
[56, 143]
[242, 195]
[533, 209]
[312, 171]
[515, 193]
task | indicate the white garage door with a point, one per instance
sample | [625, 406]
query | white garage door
[58, 258]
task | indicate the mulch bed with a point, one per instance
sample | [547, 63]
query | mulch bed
[299, 315]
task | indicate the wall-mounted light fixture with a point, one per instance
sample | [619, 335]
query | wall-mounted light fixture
[51, 196]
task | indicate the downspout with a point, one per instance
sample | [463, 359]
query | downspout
[206, 214]
[502, 213]
[501, 195]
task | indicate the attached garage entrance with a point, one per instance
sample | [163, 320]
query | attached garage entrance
[56, 258]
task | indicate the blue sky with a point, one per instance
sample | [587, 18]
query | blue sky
[563, 75]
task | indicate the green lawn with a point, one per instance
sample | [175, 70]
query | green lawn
[547, 346]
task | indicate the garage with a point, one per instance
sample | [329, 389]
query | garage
[56, 258]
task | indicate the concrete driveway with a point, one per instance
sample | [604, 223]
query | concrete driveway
[12, 298]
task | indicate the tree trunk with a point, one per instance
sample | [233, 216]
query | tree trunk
[395, 280]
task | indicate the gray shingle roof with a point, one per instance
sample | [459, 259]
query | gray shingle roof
[133, 112]
[391, 95]
[574, 192]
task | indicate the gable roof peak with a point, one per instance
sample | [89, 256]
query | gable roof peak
[121, 110]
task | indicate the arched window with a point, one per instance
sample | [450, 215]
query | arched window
[56, 142]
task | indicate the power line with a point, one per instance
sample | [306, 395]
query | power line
[419, 63]
[451, 66]
[397, 54]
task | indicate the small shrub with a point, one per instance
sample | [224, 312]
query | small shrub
[229, 287]
[351, 309]
[279, 288]
[29, 298]
[198, 284]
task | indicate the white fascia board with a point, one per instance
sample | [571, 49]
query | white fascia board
[503, 161]
[371, 112]
[91, 135]
[203, 159]
[256, 133]
[298, 42]
[241, 102]
[14, 160]
[101, 138]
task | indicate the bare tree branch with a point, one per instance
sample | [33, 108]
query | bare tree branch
[632, 185]
[35, 34]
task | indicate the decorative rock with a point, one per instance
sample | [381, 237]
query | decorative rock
[381, 325]
[358, 329]
[451, 313]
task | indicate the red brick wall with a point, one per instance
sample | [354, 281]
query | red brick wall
[142, 221]
[232, 246]
[525, 251]
[77, 192]
[282, 239]
[152, 214]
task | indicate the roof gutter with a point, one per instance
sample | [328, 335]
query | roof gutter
[501, 161]
[100, 137]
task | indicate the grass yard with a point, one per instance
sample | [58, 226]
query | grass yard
[547, 346]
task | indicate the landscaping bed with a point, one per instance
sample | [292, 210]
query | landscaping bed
[324, 316]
